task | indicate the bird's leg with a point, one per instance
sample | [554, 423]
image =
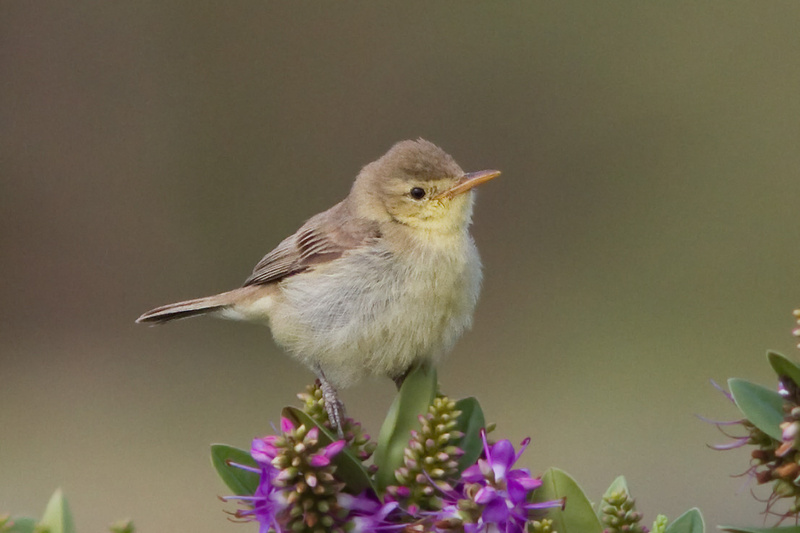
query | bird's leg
[400, 378]
[333, 406]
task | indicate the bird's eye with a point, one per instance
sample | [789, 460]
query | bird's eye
[417, 193]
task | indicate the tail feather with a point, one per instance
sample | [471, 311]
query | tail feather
[186, 309]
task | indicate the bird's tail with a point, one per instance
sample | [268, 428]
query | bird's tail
[188, 308]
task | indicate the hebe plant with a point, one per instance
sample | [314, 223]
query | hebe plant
[435, 469]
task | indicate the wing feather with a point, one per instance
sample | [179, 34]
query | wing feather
[325, 237]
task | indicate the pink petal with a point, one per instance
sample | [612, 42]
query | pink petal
[319, 460]
[262, 451]
[517, 491]
[485, 495]
[524, 478]
[472, 474]
[334, 448]
[286, 425]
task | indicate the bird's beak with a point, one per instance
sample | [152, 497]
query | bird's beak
[467, 182]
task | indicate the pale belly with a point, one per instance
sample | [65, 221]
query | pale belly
[370, 314]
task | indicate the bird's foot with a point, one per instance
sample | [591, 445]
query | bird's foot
[400, 378]
[333, 406]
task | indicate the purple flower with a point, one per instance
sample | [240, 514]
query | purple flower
[324, 457]
[287, 462]
[367, 514]
[502, 493]
[263, 449]
[266, 503]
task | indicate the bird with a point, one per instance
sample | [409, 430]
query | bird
[384, 280]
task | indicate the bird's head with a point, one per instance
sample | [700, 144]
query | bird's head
[419, 185]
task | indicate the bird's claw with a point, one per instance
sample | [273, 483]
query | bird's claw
[333, 406]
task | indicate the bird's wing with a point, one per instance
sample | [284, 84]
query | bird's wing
[320, 240]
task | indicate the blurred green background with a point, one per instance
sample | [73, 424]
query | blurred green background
[642, 240]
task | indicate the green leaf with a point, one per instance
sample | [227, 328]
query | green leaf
[578, 515]
[784, 367]
[786, 529]
[413, 399]
[689, 522]
[348, 467]
[762, 406]
[619, 484]
[241, 482]
[20, 525]
[469, 422]
[57, 517]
